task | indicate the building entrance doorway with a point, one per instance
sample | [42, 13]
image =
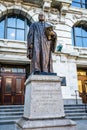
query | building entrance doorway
[82, 84]
[12, 85]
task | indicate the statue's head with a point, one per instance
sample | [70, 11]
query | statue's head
[41, 17]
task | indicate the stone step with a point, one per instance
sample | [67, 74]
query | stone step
[75, 110]
[76, 114]
[10, 117]
[11, 106]
[74, 106]
[11, 113]
[77, 117]
[11, 109]
[7, 121]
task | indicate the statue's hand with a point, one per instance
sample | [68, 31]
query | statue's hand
[29, 55]
[30, 51]
[52, 33]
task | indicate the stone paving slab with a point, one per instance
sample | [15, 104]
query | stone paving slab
[9, 127]
[82, 124]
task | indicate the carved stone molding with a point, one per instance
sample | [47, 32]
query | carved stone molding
[76, 17]
[64, 8]
[63, 5]
[17, 1]
[47, 5]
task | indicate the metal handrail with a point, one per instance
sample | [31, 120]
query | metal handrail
[83, 94]
[76, 95]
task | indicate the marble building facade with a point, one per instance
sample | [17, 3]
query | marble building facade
[63, 16]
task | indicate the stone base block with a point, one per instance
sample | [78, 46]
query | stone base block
[43, 109]
[47, 124]
[43, 97]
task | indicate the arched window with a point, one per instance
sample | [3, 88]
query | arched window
[79, 36]
[14, 27]
[80, 3]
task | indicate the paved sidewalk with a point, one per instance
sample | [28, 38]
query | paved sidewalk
[9, 127]
[81, 124]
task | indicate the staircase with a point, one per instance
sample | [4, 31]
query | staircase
[75, 112]
[11, 113]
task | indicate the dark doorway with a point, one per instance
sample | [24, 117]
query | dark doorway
[12, 87]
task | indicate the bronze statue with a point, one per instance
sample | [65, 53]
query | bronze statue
[41, 42]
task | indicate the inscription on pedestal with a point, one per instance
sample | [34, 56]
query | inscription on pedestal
[47, 100]
[46, 96]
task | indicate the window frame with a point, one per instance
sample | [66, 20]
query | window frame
[80, 3]
[75, 36]
[6, 27]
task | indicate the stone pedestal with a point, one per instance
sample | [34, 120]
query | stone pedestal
[43, 109]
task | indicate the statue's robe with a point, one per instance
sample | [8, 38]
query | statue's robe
[42, 48]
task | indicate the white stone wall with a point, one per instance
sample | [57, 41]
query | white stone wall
[13, 51]
[66, 67]
[65, 62]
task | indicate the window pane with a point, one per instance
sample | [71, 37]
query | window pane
[27, 29]
[7, 70]
[20, 70]
[72, 37]
[18, 85]
[20, 35]
[76, 4]
[85, 42]
[20, 23]
[84, 33]
[16, 28]
[8, 85]
[79, 41]
[11, 22]
[81, 36]
[79, 3]
[83, 1]
[83, 6]
[14, 70]
[11, 33]
[78, 31]
[2, 29]
[86, 5]
[76, 1]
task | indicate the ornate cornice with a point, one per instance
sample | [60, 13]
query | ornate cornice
[52, 3]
